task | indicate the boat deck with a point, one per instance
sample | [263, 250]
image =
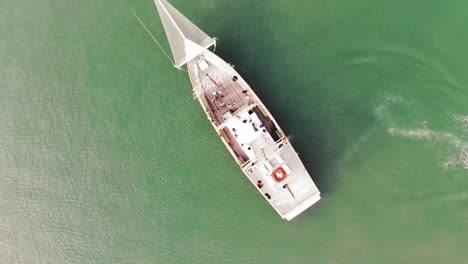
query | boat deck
[222, 92]
[252, 136]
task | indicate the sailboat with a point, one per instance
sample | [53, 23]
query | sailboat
[245, 126]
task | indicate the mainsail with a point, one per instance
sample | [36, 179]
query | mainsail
[186, 40]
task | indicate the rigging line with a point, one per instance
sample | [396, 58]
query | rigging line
[154, 39]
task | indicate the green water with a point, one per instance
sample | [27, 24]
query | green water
[106, 158]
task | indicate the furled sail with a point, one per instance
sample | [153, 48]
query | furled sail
[186, 40]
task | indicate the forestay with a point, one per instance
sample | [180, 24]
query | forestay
[185, 39]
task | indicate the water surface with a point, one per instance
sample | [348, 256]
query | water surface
[106, 158]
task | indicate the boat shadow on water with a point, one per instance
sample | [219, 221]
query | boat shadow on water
[278, 83]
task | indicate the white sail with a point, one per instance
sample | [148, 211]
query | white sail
[186, 40]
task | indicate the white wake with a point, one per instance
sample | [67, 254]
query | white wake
[462, 121]
[389, 99]
[461, 147]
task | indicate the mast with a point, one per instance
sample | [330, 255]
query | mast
[186, 40]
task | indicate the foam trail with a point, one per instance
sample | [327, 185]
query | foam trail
[458, 197]
[391, 98]
[461, 146]
[413, 133]
[388, 100]
[459, 159]
[462, 120]
[421, 133]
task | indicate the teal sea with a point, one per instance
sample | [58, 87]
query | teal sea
[105, 157]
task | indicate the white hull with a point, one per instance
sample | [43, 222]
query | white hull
[252, 136]
[244, 124]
